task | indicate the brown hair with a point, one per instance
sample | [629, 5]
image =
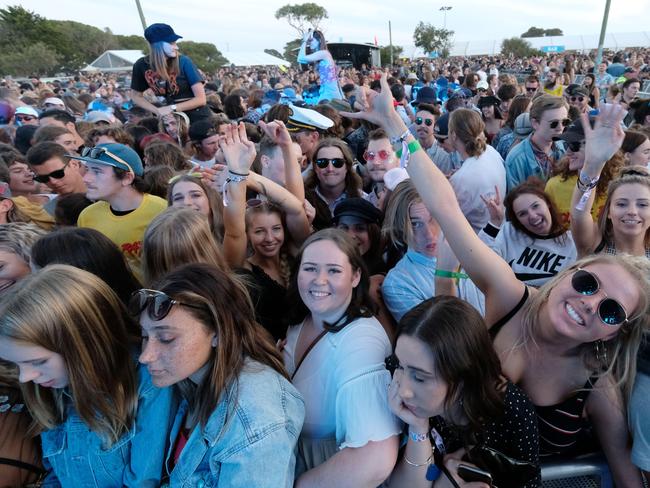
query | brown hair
[223, 306]
[175, 237]
[86, 323]
[214, 200]
[545, 102]
[463, 355]
[163, 66]
[352, 179]
[469, 128]
[633, 139]
[162, 153]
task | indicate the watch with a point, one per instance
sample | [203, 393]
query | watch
[173, 107]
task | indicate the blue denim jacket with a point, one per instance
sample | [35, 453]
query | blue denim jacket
[77, 456]
[248, 441]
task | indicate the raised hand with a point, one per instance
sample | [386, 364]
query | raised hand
[277, 132]
[495, 207]
[377, 107]
[602, 142]
[237, 149]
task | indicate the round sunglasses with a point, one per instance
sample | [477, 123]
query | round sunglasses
[323, 163]
[157, 303]
[610, 311]
[554, 123]
[427, 122]
[381, 155]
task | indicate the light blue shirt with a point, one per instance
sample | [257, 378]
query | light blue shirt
[409, 283]
[521, 163]
[250, 438]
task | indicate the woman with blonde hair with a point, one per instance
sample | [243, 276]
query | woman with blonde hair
[173, 78]
[572, 344]
[175, 237]
[177, 126]
[80, 381]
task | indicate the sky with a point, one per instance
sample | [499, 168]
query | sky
[250, 25]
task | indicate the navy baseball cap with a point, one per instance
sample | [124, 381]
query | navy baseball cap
[160, 33]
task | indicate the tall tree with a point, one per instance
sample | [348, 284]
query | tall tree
[291, 50]
[206, 56]
[384, 52]
[302, 16]
[431, 38]
[132, 42]
[534, 32]
[553, 32]
[517, 47]
[35, 59]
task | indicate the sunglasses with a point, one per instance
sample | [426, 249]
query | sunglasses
[56, 174]
[574, 146]
[531, 89]
[323, 163]
[577, 99]
[157, 303]
[427, 122]
[610, 311]
[554, 123]
[381, 155]
[96, 152]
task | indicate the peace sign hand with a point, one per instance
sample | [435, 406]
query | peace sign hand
[495, 207]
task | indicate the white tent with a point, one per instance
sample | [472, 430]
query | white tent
[253, 58]
[120, 60]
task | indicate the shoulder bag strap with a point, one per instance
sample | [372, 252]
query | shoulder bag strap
[307, 351]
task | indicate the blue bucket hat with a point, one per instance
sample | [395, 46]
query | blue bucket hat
[113, 154]
[160, 33]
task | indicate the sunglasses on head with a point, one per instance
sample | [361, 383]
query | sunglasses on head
[427, 122]
[96, 152]
[323, 163]
[610, 311]
[381, 155]
[56, 174]
[174, 179]
[554, 123]
[157, 303]
[577, 99]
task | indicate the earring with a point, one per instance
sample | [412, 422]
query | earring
[214, 341]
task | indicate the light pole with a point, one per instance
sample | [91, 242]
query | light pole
[144, 22]
[445, 10]
[601, 40]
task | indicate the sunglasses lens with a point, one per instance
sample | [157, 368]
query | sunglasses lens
[338, 162]
[584, 282]
[429, 122]
[418, 120]
[137, 303]
[611, 312]
[322, 163]
[368, 156]
[574, 146]
[159, 307]
[383, 155]
[566, 122]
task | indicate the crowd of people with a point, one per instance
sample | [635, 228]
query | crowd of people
[435, 274]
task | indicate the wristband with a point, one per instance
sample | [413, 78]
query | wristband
[238, 174]
[398, 139]
[412, 147]
[450, 274]
[415, 437]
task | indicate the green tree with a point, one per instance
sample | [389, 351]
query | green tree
[430, 38]
[274, 52]
[384, 52]
[533, 32]
[555, 32]
[77, 44]
[132, 42]
[34, 59]
[206, 56]
[517, 47]
[291, 51]
[302, 16]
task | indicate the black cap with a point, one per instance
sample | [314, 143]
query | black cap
[574, 90]
[160, 33]
[487, 101]
[441, 127]
[359, 208]
[426, 94]
[574, 132]
[201, 129]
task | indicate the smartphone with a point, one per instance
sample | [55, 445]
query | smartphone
[472, 473]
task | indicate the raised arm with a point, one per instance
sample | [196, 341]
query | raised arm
[279, 134]
[489, 272]
[601, 143]
[305, 58]
[239, 153]
[294, 211]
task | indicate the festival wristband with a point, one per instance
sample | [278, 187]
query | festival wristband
[415, 437]
[412, 147]
[450, 274]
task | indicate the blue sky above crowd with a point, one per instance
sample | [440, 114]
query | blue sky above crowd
[249, 25]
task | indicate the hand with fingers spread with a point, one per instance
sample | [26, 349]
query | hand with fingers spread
[606, 137]
[495, 207]
[237, 149]
[277, 132]
[378, 107]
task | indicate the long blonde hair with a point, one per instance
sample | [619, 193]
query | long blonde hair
[161, 64]
[75, 314]
[621, 350]
[175, 237]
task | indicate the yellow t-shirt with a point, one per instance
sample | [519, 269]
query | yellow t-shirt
[127, 231]
[561, 192]
[557, 92]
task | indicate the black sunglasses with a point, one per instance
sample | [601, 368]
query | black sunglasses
[57, 174]
[610, 311]
[323, 163]
[531, 89]
[554, 123]
[157, 303]
[427, 122]
[577, 99]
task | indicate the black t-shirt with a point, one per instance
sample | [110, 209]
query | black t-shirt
[179, 87]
